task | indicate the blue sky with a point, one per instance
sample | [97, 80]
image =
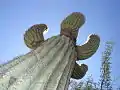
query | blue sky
[102, 18]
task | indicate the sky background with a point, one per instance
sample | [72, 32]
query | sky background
[102, 18]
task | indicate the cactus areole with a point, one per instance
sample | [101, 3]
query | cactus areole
[52, 62]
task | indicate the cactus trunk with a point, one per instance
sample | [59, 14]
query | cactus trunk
[48, 67]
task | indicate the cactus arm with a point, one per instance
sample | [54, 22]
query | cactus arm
[33, 37]
[89, 48]
[71, 24]
[79, 71]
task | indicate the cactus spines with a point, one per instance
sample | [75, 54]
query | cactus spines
[33, 37]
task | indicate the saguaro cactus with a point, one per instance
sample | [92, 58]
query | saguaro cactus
[52, 62]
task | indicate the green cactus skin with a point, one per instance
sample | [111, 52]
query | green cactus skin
[33, 37]
[89, 48]
[84, 52]
[79, 71]
[74, 21]
[71, 24]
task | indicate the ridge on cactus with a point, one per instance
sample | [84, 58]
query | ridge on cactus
[52, 62]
